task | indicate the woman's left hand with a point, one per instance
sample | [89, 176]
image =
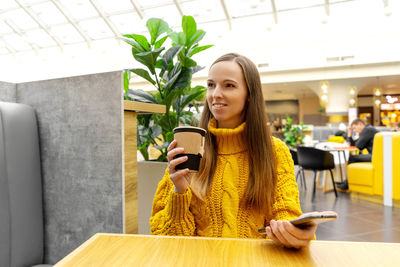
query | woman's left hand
[285, 233]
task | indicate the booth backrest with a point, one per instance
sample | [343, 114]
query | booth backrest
[21, 208]
[396, 165]
[377, 162]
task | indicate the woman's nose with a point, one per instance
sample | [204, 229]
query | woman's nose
[217, 93]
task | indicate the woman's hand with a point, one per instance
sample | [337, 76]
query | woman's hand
[180, 178]
[285, 233]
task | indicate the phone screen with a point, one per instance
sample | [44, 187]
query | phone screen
[306, 219]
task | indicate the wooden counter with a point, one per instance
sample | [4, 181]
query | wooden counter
[140, 250]
[131, 109]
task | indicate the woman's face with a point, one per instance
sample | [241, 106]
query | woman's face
[226, 94]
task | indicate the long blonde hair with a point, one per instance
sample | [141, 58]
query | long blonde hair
[262, 176]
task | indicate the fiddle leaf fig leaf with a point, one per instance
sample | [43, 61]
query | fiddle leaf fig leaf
[149, 58]
[140, 39]
[144, 74]
[142, 96]
[160, 42]
[199, 49]
[156, 27]
[199, 34]
[178, 38]
[136, 47]
[168, 57]
[189, 27]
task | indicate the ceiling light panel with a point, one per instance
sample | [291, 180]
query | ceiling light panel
[20, 19]
[290, 4]
[66, 33]
[4, 28]
[353, 11]
[40, 37]
[153, 3]
[49, 13]
[30, 2]
[79, 9]
[96, 29]
[297, 17]
[168, 13]
[203, 11]
[260, 23]
[239, 8]
[7, 4]
[3, 50]
[17, 42]
[128, 23]
[115, 6]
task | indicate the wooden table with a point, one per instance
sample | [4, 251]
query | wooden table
[338, 150]
[141, 250]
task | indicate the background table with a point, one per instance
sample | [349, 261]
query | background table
[140, 250]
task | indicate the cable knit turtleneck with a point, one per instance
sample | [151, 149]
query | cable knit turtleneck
[224, 213]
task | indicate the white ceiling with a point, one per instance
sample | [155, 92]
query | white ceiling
[42, 39]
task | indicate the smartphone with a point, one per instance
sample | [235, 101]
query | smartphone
[306, 219]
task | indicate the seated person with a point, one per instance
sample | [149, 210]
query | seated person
[246, 177]
[341, 131]
[366, 134]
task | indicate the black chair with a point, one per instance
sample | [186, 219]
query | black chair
[316, 160]
[300, 171]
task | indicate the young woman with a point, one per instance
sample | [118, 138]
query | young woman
[246, 178]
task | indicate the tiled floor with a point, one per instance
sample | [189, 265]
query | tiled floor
[359, 220]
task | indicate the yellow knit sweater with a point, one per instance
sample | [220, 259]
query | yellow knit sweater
[222, 214]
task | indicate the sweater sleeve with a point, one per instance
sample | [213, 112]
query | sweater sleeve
[171, 214]
[286, 203]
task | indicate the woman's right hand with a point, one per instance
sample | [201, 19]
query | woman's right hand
[180, 178]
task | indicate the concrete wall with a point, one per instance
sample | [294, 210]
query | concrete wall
[80, 120]
[8, 92]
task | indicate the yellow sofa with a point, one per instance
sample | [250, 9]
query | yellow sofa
[367, 177]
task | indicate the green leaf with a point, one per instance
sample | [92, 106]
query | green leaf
[189, 98]
[168, 57]
[186, 61]
[189, 27]
[127, 77]
[160, 42]
[144, 74]
[156, 130]
[142, 96]
[199, 49]
[158, 64]
[196, 38]
[140, 39]
[178, 38]
[149, 58]
[183, 80]
[196, 68]
[135, 45]
[172, 80]
[156, 27]
[184, 100]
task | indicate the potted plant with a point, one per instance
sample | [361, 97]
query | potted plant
[169, 70]
[294, 135]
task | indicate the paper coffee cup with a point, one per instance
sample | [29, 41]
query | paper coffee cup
[192, 140]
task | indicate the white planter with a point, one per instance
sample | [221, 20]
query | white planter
[150, 174]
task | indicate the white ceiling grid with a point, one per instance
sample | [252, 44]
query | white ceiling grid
[42, 27]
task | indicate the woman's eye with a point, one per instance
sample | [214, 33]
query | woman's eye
[210, 85]
[230, 85]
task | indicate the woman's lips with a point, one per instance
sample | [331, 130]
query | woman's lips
[218, 106]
